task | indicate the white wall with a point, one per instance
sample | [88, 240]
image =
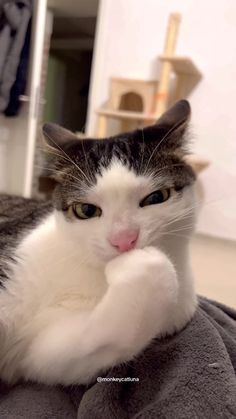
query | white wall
[214, 268]
[130, 35]
[12, 152]
[18, 134]
[3, 156]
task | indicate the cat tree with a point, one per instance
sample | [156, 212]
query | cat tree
[136, 103]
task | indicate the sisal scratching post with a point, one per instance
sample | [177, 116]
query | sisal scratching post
[164, 82]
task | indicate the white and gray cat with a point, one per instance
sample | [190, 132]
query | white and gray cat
[107, 269]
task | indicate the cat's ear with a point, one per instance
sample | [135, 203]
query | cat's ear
[198, 164]
[176, 117]
[170, 128]
[57, 137]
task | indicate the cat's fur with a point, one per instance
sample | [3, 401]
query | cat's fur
[71, 305]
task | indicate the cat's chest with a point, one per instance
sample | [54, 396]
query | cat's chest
[73, 285]
[70, 287]
[79, 288]
[52, 271]
[50, 275]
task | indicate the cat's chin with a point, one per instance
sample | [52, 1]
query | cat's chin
[102, 259]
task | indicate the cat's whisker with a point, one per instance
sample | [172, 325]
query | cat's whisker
[141, 165]
[158, 233]
[61, 157]
[181, 216]
[185, 228]
[169, 224]
[175, 235]
[87, 164]
[59, 172]
[161, 231]
[156, 173]
[58, 164]
[188, 212]
[162, 140]
[64, 158]
[71, 160]
[184, 214]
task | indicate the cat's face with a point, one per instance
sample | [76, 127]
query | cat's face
[132, 190]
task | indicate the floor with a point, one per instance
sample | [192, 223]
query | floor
[214, 266]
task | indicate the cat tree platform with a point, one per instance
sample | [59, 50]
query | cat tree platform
[126, 115]
[186, 75]
[182, 65]
[136, 103]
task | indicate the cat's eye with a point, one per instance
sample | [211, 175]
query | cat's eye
[156, 197]
[85, 211]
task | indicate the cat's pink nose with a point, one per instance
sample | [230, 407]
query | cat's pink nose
[124, 240]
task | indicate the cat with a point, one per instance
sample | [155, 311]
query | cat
[106, 270]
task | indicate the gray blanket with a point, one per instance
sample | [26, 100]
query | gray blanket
[190, 375]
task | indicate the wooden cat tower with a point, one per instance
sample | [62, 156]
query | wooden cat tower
[136, 103]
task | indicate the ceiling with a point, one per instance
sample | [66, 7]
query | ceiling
[74, 8]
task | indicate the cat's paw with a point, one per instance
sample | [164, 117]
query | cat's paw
[150, 266]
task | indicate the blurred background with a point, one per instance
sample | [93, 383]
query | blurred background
[99, 67]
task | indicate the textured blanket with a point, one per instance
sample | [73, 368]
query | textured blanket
[189, 375]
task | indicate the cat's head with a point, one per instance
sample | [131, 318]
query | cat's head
[130, 190]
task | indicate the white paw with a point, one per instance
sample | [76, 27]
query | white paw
[149, 265]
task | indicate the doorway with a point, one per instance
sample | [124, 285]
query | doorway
[67, 80]
[59, 68]
[69, 67]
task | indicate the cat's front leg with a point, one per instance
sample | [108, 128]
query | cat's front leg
[137, 306]
[145, 288]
